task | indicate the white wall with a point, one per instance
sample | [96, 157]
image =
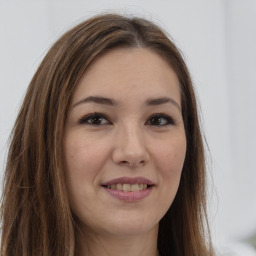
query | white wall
[218, 40]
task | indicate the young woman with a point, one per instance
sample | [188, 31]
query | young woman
[106, 156]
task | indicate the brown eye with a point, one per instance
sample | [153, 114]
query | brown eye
[94, 119]
[160, 120]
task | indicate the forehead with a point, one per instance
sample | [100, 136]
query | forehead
[125, 72]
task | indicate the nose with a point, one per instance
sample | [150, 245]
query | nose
[130, 148]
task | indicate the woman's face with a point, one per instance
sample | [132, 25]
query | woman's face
[124, 143]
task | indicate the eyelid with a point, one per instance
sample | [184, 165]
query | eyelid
[85, 118]
[170, 120]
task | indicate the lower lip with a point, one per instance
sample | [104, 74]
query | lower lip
[129, 196]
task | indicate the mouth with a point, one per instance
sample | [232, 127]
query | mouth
[129, 189]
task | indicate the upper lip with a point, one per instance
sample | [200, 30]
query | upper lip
[128, 180]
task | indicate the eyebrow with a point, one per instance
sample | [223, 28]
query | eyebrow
[163, 100]
[98, 100]
[112, 102]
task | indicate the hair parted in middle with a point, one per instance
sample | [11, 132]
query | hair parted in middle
[37, 219]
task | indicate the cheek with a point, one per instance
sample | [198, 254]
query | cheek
[83, 162]
[83, 156]
[171, 156]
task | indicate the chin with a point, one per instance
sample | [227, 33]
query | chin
[131, 226]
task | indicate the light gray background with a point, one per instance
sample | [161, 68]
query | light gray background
[218, 40]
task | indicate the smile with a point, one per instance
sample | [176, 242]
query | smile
[129, 189]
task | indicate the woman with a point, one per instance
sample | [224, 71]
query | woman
[106, 156]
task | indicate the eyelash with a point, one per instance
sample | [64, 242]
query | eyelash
[87, 120]
[168, 120]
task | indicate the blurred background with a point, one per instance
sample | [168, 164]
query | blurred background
[218, 41]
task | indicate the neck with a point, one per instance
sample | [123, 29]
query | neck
[111, 245]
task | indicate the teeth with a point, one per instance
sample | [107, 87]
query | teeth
[128, 187]
[119, 187]
[135, 187]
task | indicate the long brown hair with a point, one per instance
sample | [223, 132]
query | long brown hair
[36, 217]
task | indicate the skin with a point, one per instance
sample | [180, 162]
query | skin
[127, 141]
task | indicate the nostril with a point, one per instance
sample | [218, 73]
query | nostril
[133, 163]
[125, 162]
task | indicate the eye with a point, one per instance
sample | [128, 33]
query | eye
[160, 120]
[94, 119]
